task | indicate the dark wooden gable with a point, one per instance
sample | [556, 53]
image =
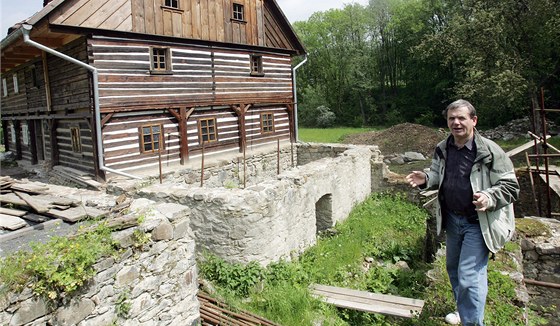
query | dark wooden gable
[262, 24]
[278, 31]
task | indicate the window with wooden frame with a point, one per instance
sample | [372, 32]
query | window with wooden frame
[25, 134]
[151, 138]
[12, 133]
[34, 77]
[207, 130]
[238, 12]
[4, 87]
[76, 139]
[160, 60]
[256, 65]
[16, 85]
[171, 4]
[267, 123]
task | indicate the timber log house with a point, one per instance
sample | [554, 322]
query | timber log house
[112, 86]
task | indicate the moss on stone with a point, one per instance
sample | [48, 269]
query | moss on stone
[532, 228]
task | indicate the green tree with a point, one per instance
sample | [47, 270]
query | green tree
[403, 60]
[501, 51]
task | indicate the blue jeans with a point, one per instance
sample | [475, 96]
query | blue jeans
[467, 262]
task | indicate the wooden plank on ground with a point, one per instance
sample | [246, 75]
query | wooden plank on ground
[554, 182]
[10, 222]
[13, 212]
[68, 170]
[368, 301]
[80, 176]
[75, 214]
[523, 147]
[37, 205]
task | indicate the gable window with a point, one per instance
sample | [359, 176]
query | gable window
[4, 87]
[161, 60]
[207, 129]
[151, 138]
[172, 3]
[238, 12]
[256, 65]
[16, 86]
[267, 123]
[76, 139]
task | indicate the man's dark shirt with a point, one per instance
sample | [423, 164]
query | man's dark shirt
[456, 187]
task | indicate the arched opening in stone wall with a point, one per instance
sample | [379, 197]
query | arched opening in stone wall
[323, 213]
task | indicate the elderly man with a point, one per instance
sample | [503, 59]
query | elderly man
[477, 186]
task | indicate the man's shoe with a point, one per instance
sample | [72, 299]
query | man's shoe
[453, 318]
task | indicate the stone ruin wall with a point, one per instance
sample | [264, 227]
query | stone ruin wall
[541, 262]
[274, 217]
[158, 280]
[279, 216]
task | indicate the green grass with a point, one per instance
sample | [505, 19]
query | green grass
[327, 135]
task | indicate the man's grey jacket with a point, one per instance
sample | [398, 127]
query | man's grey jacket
[493, 175]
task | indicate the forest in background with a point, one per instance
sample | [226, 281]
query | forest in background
[396, 61]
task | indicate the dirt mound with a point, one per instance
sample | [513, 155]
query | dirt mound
[405, 137]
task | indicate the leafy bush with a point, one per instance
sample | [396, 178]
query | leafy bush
[237, 278]
[59, 267]
[325, 117]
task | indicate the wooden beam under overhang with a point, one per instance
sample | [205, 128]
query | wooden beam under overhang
[51, 42]
[21, 53]
[18, 52]
[6, 66]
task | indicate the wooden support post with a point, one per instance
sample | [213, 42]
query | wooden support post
[182, 118]
[47, 81]
[184, 142]
[291, 119]
[17, 128]
[32, 141]
[5, 134]
[241, 111]
[535, 200]
[202, 166]
[244, 169]
[160, 168]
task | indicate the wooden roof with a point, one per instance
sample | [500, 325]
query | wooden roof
[62, 21]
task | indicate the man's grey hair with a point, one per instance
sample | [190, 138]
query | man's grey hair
[459, 104]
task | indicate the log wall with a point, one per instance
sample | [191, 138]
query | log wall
[122, 143]
[200, 76]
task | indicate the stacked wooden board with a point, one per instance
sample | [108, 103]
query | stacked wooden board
[24, 203]
[76, 176]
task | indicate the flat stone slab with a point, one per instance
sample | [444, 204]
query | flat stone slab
[75, 214]
[10, 222]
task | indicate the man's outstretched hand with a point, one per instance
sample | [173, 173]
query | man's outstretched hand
[416, 178]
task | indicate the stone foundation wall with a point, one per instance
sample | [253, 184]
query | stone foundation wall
[280, 216]
[234, 172]
[541, 262]
[157, 281]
